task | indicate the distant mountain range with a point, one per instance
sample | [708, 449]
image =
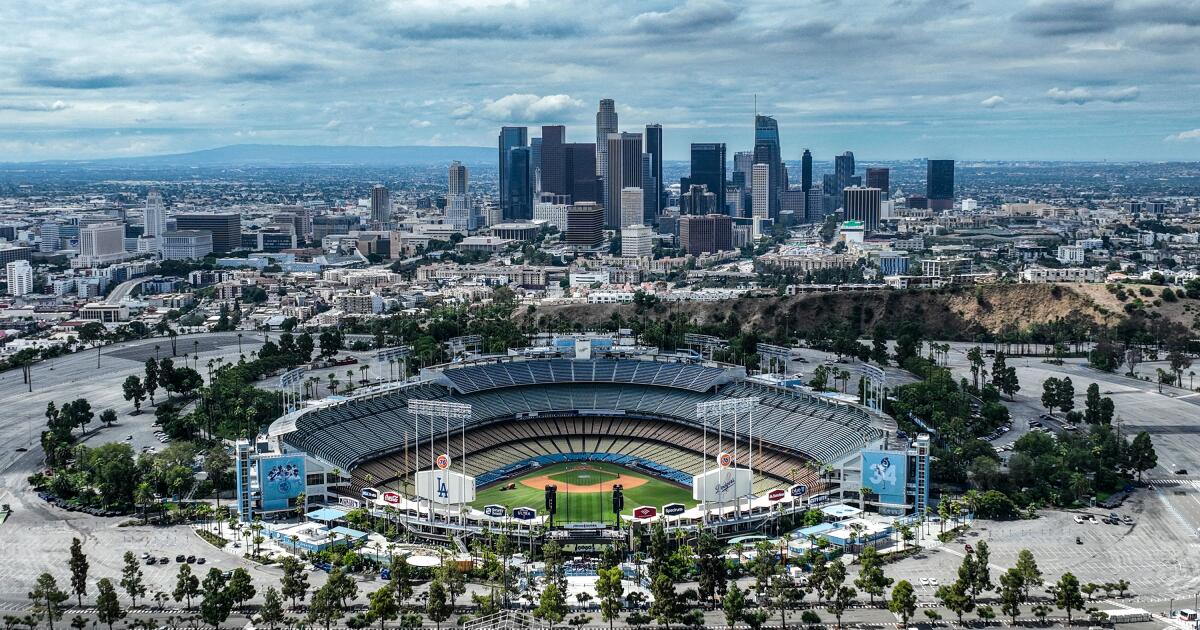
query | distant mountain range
[302, 155]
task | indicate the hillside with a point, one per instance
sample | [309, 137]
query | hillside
[942, 314]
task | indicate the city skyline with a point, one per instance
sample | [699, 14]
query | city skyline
[1048, 80]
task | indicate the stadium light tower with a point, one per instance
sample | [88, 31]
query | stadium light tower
[737, 413]
[453, 415]
[385, 357]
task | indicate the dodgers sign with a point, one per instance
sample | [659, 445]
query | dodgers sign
[885, 474]
[445, 486]
[722, 484]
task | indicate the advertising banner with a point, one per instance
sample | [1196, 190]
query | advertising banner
[885, 473]
[445, 486]
[721, 484]
[280, 479]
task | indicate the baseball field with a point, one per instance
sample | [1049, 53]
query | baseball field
[584, 491]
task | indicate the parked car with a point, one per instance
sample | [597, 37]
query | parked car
[180, 558]
[191, 559]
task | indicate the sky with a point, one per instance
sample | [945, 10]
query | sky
[888, 79]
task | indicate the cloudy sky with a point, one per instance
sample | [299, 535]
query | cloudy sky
[889, 79]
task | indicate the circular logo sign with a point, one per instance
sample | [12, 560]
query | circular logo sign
[725, 460]
[799, 490]
[443, 461]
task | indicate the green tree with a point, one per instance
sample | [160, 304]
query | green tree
[134, 392]
[131, 579]
[79, 570]
[843, 597]
[383, 606]
[294, 583]
[1066, 395]
[1141, 454]
[150, 380]
[401, 576]
[325, 608]
[665, 604]
[975, 359]
[1067, 595]
[187, 585]
[1012, 593]
[239, 588]
[1091, 404]
[871, 579]
[1050, 394]
[108, 605]
[1031, 575]
[734, 605]
[215, 604]
[955, 598]
[271, 611]
[903, 602]
[47, 599]
[438, 609]
[610, 592]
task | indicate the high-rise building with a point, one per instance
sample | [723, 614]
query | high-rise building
[20, 278]
[761, 187]
[706, 234]
[939, 184]
[458, 179]
[381, 205]
[743, 162]
[327, 224]
[535, 165]
[708, 170]
[101, 243]
[650, 206]
[154, 215]
[553, 160]
[585, 224]
[460, 213]
[814, 210]
[654, 149]
[879, 177]
[518, 180]
[632, 206]
[698, 201]
[226, 228]
[637, 241]
[187, 244]
[862, 204]
[624, 157]
[767, 151]
[606, 123]
[50, 237]
[510, 138]
[580, 172]
[806, 171]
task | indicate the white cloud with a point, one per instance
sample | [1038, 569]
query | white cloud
[1184, 136]
[688, 18]
[531, 108]
[993, 102]
[421, 123]
[1082, 95]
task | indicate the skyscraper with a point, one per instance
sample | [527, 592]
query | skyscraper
[939, 184]
[879, 177]
[510, 138]
[535, 165]
[553, 159]
[705, 234]
[697, 200]
[632, 207]
[606, 123]
[585, 224]
[649, 185]
[381, 205]
[806, 171]
[518, 185]
[862, 204]
[624, 170]
[154, 216]
[743, 163]
[580, 172]
[654, 149]
[767, 151]
[760, 209]
[458, 179]
[708, 169]
[20, 278]
[226, 228]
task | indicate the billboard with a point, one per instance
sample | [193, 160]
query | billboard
[721, 484]
[885, 473]
[280, 479]
[673, 509]
[524, 513]
[445, 486]
[776, 495]
[645, 511]
[495, 511]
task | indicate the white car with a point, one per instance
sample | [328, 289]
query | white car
[924, 581]
[933, 582]
[1078, 519]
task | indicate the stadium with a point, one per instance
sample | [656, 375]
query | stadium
[582, 422]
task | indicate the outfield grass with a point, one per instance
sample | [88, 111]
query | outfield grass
[575, 507]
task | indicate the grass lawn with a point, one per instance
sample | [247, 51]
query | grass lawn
[574, 506]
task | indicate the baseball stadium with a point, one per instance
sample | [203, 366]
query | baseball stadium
[581, 425]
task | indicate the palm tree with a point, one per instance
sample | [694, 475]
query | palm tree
[363, 371]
